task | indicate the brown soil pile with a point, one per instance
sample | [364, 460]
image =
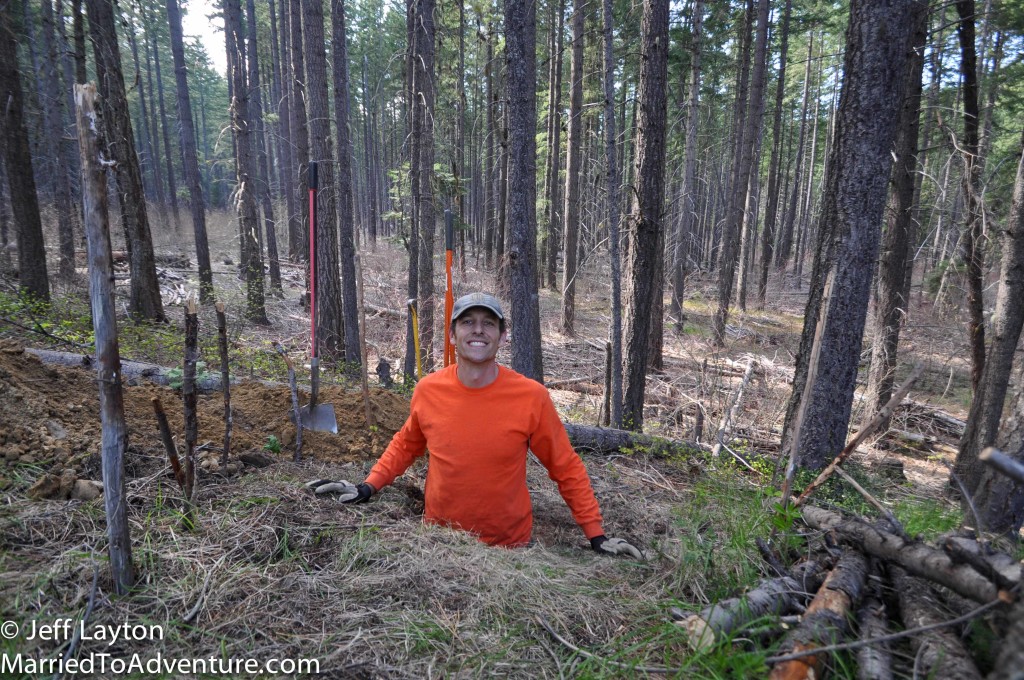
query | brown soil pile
[49, 418]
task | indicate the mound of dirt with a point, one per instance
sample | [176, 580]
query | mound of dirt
[49, 418]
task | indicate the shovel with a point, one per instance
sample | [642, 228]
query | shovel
[316, 417]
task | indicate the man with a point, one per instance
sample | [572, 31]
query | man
[478, 419]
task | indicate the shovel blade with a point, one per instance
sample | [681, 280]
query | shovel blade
[319, 419]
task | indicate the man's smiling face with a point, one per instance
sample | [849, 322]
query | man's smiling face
[477, 336]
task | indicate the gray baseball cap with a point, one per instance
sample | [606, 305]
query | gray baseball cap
[477, 300]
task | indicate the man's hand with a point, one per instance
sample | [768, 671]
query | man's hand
[347, 491]
[614, 546]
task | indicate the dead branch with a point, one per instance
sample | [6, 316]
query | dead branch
[940, 653]
[999, 568]
[826, 619]
[168, 441]
[729, 414]
[1000, 461]
[874, 661]
[602, 440]
[774, 596]
[917, 558]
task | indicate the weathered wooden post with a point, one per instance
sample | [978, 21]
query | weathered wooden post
[225, 380]
[188, 394]
[104, 321]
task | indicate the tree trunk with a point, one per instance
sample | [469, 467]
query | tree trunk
[349, 298]
[892, 291]
[298, 231]
[613, 212]
[647, 211]
[245, 163]
[687, 220]
[573, 172]
[60, 163]
[190, 155]
[553, 214]
[521, 61]
[330, 333]
[262, 188]
[771, 210]
[144, 298]
[370, 160]
[789, 214]
[490, 162]
[108, 366]
[746, 125]
[998, 500]
[878, 41]
[172, 185]
[424, 101]
[972, 243]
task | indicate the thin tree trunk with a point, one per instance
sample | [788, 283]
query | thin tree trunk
[190, 155]
[349, 297]
[771, 210]
[248, 216]
[521, 60]
[786, 238]
[330, 332]
[144, 297]
[262, 188]
[172, 185]
[647, 212]
[613, 212]
[573, 172]
[553, 216]
[424, 98]
[892, 292]
[298, 230]
[101, 287]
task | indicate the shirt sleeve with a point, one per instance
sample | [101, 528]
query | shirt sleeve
[551, 445]
[407, 445]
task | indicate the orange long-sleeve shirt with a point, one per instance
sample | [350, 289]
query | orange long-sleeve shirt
[478, 440]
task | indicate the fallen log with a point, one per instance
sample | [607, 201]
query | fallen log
[606, 440]
[917, 558]
[939, 652]
[999, 568]
[826, 620]
[774, 596]
[874, 660]
[132, 372]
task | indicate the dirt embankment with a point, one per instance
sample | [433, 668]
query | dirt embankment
[49, 419]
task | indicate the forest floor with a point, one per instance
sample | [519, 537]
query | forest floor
[273, 572]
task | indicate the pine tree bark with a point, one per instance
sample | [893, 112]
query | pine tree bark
[60, 163]
[878, 41]
[262, 188]
[32, 276]
[573, 172]
[999, 502]
[245, 163]
[613, 212]
[298, 231]
[553, 211]
[754, 109]
[144, 297]
[892, 288]
[647, 211]
[971, 242]
[521, 61]
[349, 297]
[772, 208]
[687, 219]
[190, 155]
[330, 332]
[424, 100]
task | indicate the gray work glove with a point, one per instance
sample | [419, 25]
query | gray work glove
[614, 546]
[347, 491]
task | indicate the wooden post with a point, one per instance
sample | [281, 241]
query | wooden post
[295, 400]
[225, 379]
[370, 423]
[104, 322]
[188, 394]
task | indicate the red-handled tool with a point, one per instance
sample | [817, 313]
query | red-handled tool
[318, 417]
[449, 297]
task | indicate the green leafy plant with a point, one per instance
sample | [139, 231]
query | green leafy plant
[273, 444]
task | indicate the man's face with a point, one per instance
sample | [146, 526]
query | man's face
[477, 336]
